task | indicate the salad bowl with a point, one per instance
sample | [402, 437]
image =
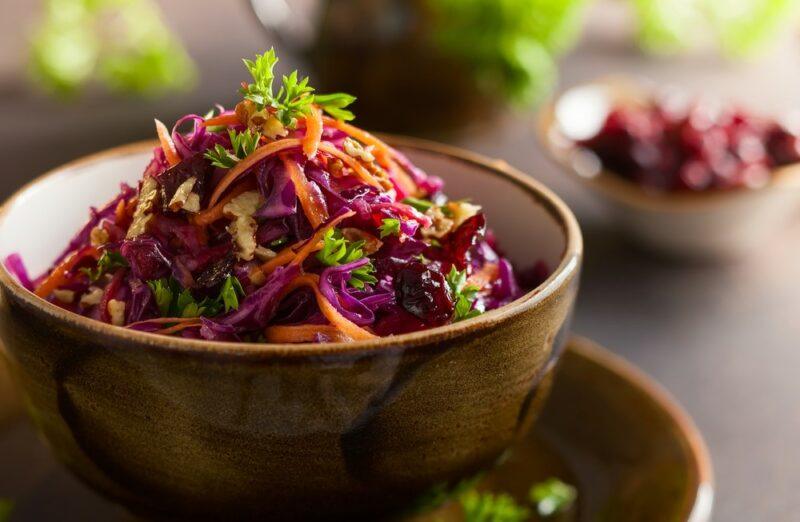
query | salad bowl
[182, 428]
[705, 225]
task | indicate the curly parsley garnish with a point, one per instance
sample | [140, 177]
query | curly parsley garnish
[108, 262]
[552, 496]
[174, 301]
[295, 97]
[336, 250]
[464, 295]
[491, 507]
[242, 145]
[389, 227]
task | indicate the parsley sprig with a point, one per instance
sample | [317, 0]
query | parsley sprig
[174, 301]
[389, 227]
[242, 145]
[552, 496]
[423, 205]
[464, 295]
[336, 250]
[108, 262]
[294, 98]
[549, 497]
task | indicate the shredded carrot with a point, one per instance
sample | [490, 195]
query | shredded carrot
[178, 327]
[119, 213]
[365, 175]
[383, 153]
[212, 214]
[313, 135]
[330, 312]
[166, 144]
[312, 207]
[222, 119]
[59, 275]
[259, 154]
[298, 252]
[484, 276]
[305, 333]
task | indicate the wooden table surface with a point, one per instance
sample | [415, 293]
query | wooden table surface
[725, 340]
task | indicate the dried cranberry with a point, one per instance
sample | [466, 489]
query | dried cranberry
[783, 146]
[146, 257]
[424, 293]
[397, 321]
[194, 166]
[215, 272]
[458, 243]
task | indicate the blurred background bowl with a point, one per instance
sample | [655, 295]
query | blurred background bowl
[704, 225]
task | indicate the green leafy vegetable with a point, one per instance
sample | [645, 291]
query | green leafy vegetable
[423, 205]
[336, 250]
[122, 43]
[174, 301]
[509, 45]
[242, 145]
[464, 295]
[390, 227]
[552, 496]
[491, 507]
[295, 97]
[6, 507]
[108, 262]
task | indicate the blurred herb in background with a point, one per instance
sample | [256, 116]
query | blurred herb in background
[737, 27]
[123, 44]
[510, 45]
[6, 506]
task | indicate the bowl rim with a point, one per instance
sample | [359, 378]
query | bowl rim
[568, 266]
[615, 186]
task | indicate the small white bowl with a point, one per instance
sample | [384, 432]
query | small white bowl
[712, 225]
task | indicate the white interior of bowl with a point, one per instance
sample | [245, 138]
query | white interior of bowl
[40, 222]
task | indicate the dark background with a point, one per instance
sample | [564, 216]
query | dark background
[725, 340]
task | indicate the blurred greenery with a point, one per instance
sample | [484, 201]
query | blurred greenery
[511, 45]
[123, 44]
[737, 27]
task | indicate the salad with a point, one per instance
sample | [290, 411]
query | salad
[278, 221]
[667, 146]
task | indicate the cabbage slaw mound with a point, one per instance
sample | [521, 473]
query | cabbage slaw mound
[278, 221]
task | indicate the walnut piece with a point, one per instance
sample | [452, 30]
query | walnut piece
[182, 194]
[98, 236]
[243, 226]
[116, 309]
[92, 297]
[356, 150]
[142, 216]
[65, 296]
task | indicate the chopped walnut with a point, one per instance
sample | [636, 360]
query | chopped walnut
[440, 225]
[243, 226]
[273, 128]
[65, 296]
[141, 216]
[357, 150]
[92, 297]
[116, 309]
[264, 253]
[371, 243]
[98, 236]
[461, 211]
[182, 195]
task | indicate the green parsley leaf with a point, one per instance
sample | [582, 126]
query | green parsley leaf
[552, 496]
[334, 104]
[230, 292]
[242, 145]
[174, 301]
[491, 507]
[221, 157]
[464, 295]
[390, 227]
[336, 250]
[423, 205]
[295, 97]
[6, 507]
[162, 294]
[108, 261]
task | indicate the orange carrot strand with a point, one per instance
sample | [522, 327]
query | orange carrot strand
[59, 275]
[167, 145]
[305, 333]
[313, 135]
[223, 119]
[314, 211]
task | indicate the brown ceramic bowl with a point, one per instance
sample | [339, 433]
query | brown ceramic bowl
[179, 428]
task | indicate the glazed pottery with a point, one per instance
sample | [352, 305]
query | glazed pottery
[630, 451]
[180, 428]
[704, 225]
